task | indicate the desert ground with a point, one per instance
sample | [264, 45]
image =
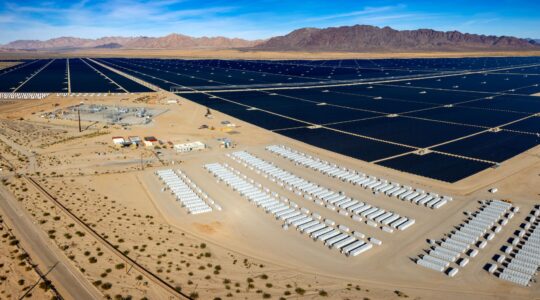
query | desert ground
[19, 278]
[7, 64]
[104, 213]
[251, 54]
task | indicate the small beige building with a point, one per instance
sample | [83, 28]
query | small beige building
[188, 147]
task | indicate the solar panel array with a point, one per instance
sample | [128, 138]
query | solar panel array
[444, 119]
[74, 75]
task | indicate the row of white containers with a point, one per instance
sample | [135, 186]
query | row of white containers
[334, 237]
[523, 260]
[21, 96]
[186, 192]
[376, 185]
[335, 201]
[479, 228]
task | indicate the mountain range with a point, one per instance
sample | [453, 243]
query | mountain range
[171, 41]
[361, 38]
[358, 38]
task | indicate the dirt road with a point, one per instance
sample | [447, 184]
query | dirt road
[67, 279]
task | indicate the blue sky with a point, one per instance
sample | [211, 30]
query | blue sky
[257, 19]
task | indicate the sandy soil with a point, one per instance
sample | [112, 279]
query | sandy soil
[18, 278]
[239, 252]
[7, 64]
[246, 54]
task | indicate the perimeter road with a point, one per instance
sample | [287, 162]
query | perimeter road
[68, 74]
[174, 293]
[66, 278]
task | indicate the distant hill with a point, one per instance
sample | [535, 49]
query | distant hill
[362, 38]
[172, 41]
[64, 43]
[109, 46]
[175, 41]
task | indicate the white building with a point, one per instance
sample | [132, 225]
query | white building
[118, 140]
[188, 147]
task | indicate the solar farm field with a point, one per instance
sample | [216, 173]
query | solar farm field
[445, 119]
[448, 119]
[64, 76]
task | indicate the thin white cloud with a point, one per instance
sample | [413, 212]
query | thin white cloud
[365, 11]
[7, 18]
[399, 17]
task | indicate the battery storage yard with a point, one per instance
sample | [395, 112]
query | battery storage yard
[470, 237]
[332, 200]
[518, 261]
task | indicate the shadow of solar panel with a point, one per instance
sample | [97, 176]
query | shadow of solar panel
[356, 147]
[436, 166]
[408, 131]
[492, 146]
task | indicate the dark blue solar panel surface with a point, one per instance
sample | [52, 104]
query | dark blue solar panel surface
[256, 117]
[492, 146]
[361, 148]
[465, 115]
[51, 79]
[297, 109]
[129, 85]
[531, 125]
[437, 166]
[13, 79]
[84, 79]
[408, 131]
